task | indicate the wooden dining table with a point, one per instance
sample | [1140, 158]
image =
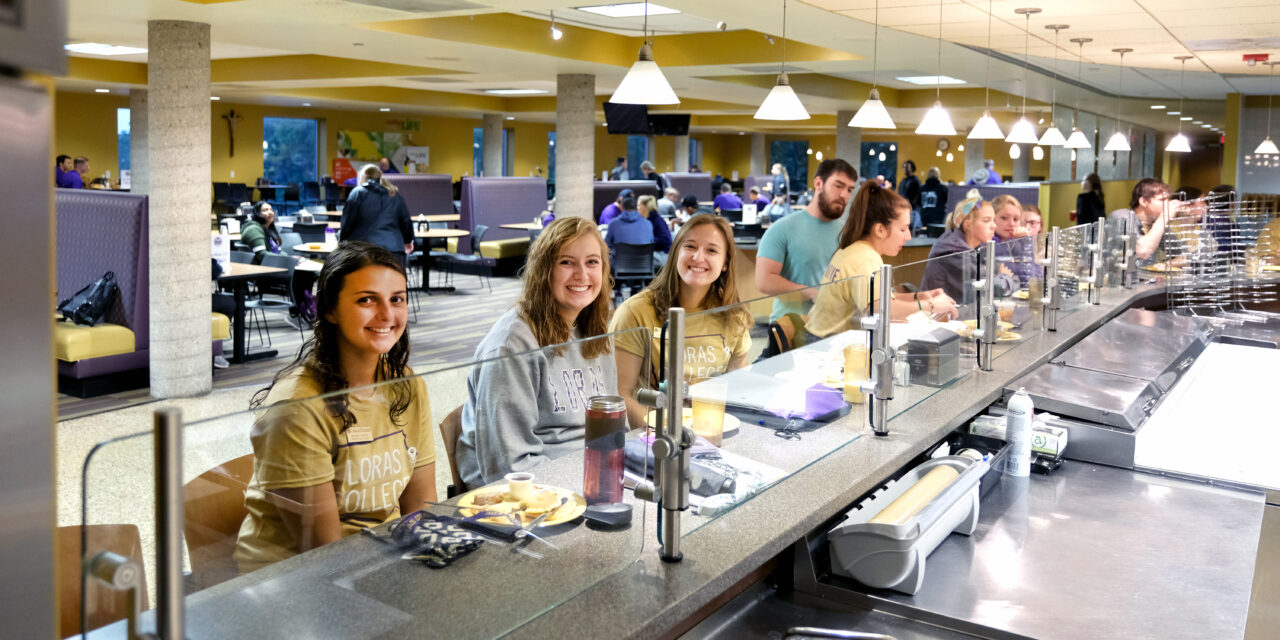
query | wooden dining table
[438, 217]
[239, 274]
[522, 226]
[314, 248]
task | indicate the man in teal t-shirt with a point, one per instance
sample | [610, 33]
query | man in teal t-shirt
[794, 252]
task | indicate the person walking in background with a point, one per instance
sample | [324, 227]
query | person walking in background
[780, 180]
[933, 198]
[376, 213]
[1091, 203]
[620, 171]
[909, 188]
[650, 173]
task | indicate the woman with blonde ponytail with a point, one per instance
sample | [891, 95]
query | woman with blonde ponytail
[376, 213]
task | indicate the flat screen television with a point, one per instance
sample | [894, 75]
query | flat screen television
[626, 118]
[669, 124]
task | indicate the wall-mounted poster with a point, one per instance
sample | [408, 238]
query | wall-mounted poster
[357, 148]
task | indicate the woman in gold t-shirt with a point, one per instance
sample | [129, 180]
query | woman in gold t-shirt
[326, 467]
[698, 276]
[878, 224]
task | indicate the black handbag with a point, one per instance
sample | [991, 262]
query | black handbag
[89, 304]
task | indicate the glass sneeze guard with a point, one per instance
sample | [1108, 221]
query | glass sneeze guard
[247, 514]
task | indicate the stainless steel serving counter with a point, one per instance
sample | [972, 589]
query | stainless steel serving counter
[614, 584]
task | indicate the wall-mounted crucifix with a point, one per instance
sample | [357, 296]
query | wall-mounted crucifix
[232, 118]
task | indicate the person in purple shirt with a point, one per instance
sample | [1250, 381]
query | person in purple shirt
[74, 179]
[613, 209]
[61, 166]
[761, 201]
[727, 200]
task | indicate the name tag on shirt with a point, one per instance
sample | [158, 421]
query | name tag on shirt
[359, 435]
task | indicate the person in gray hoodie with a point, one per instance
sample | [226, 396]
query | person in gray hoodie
[526, 400]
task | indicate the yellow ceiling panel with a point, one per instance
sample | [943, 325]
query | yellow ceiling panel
[106, 70]
[311, 67]
[400, 96]
[815, 84]
[520, 33]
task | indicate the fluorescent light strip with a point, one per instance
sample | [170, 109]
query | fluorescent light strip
[99, 49]
[102, 91]
[931, 80]
[514, 92]
[1157, 106]
[627, 10]
[384, 109]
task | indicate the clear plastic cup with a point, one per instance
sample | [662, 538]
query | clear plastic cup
[708, 399]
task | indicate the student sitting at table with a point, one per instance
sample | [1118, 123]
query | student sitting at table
[1012, 242]
[526, 403]
[727, 200]
[630, 227]
[260, 235]
[753, 195]
[324, 468]
[953, 261]
[648, 207]
[878, 224]
[699, 276]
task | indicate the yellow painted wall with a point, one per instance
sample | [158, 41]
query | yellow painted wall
[1058, 199]
[85, 125]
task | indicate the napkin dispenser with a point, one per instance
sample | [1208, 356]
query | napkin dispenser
[934, 357]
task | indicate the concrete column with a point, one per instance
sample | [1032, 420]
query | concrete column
[759, 156]
[575, 143]
[1022, 165]
[848, 139]
[138, 168]
[178, 113]
[974, 154]
[681, 161]
[492, 166]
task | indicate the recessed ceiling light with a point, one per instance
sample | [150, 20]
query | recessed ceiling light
[931, 80]
[742, 133]
[102, 91]
[99, 49]
[1157, 106]
[214, 98]
[514, 92]
[511, 117]
[1174, 113]
[1197, 122]
[306, 104]
[628, 9]
[384, 109]
[1206, 126]
[1185, 118]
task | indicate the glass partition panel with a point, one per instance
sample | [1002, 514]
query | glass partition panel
[1074, 267]
[1020, 310]
[762, 418]
[354, 501]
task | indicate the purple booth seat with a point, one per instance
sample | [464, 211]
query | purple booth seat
[498, 201]
[100, 231]
[758, 182]
[603, 193]
[424, 193]
[696, 184]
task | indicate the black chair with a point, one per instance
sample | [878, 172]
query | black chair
[331, 193]
[632, 263]
[292, 198]
[237, 192]
[221, 191]
[282, 286]
[310, 194]
[533, 235]
[483, 266]
[289, 240]
[242, 257]
[310, 231]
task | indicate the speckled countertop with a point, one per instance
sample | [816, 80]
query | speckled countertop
[613, 584]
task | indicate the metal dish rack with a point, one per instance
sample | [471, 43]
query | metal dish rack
[1219, 265]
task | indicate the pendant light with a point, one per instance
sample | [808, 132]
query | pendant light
[1052, 137]
[872, 114]
[1179, 143]
[782, 102]
[1023, 132]
[1119, 141]
[1077, 140]
[1268, 148]
[936, 121]
[987, 128]
[644, 82]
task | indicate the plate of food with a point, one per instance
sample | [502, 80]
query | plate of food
[1160, 267]
[731, 422]
[1005, 334]
[542, 499]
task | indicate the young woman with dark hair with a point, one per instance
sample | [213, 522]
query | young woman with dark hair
[259, 232]
[542, 359]
[1091, 203]
[879, 223]
[333, 453]
[698, 277]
